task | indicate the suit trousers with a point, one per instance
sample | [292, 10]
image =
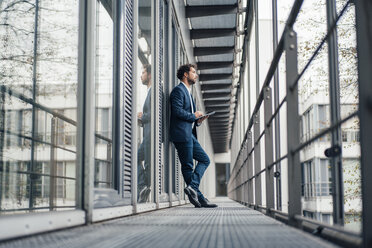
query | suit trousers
[143, 169]
[187, 151]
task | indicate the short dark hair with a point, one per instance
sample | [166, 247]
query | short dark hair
[184, 68]
[147, 67]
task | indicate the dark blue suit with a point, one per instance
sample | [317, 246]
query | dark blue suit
[181, 116]
[144, 151]
[184, 138]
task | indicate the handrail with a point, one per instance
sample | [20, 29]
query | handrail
[10, 92]
[36, 140]
[319, 135]
[325, 131]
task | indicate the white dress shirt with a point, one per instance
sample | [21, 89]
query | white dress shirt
[192, 105]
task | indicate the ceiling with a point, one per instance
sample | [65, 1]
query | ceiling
[214, 32]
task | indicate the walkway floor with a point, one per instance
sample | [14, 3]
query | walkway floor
[229, 225]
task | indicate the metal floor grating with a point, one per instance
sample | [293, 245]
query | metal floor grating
[229, 225]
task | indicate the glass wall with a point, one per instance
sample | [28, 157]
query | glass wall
[38, 136]
[63, 63]
[327, 93]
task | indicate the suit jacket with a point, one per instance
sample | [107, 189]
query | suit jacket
[146, 118]
[182, 118]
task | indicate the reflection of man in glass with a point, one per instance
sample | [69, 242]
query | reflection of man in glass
[144, 119]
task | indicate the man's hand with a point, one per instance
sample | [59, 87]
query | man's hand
[202, 119]
[139, 115]
[198, 114]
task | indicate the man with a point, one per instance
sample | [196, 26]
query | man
[144, 120]
[183, 122]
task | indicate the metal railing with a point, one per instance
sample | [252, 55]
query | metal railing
[247, 172]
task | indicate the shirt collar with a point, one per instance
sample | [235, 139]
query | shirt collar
[188, 89]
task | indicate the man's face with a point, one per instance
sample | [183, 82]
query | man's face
[192, 76]
[145, 77]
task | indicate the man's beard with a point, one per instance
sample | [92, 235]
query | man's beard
[190, 81]
[145, 82]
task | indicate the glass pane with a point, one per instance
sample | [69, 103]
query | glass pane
[313, 93]
[144, 91]
[17, 39]
[57, 54]
[346, 31]
[265, 32]
[38, 145]
[103, 100]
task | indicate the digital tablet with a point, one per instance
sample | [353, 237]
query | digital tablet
[207, 114]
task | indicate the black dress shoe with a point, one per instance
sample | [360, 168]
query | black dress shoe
[206, 204]
[193, 196]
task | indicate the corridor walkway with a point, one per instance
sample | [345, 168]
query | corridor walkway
[229, 225]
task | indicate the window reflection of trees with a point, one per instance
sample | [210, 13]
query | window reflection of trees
[103, 100]
[42, 68]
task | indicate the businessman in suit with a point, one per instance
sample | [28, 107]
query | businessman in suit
[183, 123]
[144, 120]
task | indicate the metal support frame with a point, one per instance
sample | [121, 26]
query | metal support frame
[165, 97]
[257, 159]
[214, 65]
[216, 76]
[86, 107]
[34, 110]
[364, 47]
[154, 139]
[134, 112]
[276, 104]
[53, 162]
[2, 137]
[269, 149]
[118, 82]
[211, 33]
[293, 134]
[250, 167]
[169, 79]
[210, 10]
[202, 51]
[334, 94]
[155, 77]
[222, 86]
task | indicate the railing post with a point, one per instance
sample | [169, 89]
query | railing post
[242, 175]
[334, 95]
[293, 120]
[250, 168]
[245, 172]
[86, 108]
[364, 47]
[110, 167]
[269, 149]
[257, 160]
